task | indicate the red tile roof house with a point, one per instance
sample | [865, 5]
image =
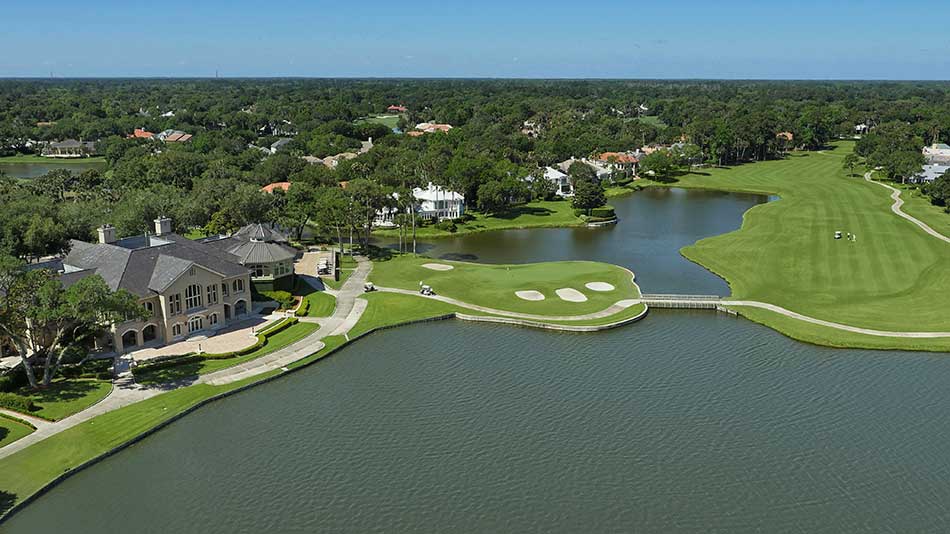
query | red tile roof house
[284, 186]
[141, 133]
[618, 162]
[397, 109]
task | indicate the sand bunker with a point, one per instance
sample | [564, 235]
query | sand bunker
[529, 295]
[438, 266]
[599, 286]
[571, 295]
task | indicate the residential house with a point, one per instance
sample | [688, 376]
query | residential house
[270, 188]
[397, 109]
[432, 127]
[141, 133]
[563, 185]
[785, 136]
[334, 161]
[280, 143]
[861, 129]
[531, 128]
[70, 148]
[173, 136]
[618, 163]
[186, 286]
[930, 173]
[938, 153]
[432, 203]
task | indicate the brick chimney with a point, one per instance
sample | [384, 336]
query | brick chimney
[163, 226]
[106, 234]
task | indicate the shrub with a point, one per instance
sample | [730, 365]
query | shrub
[284, 298]
[17, 403]
[603, 212]
[13, 380]
[303, 309]
[447, 226]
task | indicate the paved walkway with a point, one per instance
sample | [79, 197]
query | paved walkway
[896, 208]
[613, 309]
[126, 392]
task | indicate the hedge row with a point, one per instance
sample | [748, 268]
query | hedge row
[18, 420]
[16, 403]
[90, 369]
[183, 359]
[304, 308]
[603, 212]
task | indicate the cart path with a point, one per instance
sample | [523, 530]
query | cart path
[613, 309]
[896, 208]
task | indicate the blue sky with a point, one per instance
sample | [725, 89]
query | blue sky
[492, 38]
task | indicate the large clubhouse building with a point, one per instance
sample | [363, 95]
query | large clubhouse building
[188, 287]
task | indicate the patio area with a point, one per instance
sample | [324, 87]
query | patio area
[235, 337]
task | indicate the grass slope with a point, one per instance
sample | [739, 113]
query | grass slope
[892, 278]
[389, 121]
[495, 285]
[541, 214]
[66, 397]
[11, 430]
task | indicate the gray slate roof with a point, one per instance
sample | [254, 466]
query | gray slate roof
[255, 243]
[260, 232]
[146, 271]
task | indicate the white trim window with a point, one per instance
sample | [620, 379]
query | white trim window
[150, 308]
[174, 304]
[193, 297]
[238, 285]
[213, 319]
[213, 294]
[224, 289]
[176, 329]
[195, 324]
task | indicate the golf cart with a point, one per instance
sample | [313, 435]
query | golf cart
[426, 290]
[368, 287]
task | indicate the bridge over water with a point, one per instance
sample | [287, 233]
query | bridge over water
[688, 302]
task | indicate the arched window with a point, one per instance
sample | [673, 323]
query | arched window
[149, 333]
[195, 324]
[149, 307]
[240, 308]
[130, 339]
[193, 297]
[213, 319]
[213, 294]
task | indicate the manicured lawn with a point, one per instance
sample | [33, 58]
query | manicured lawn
[555, 213]
[11, 430]
[33, 158]
[274, 343]
[387, 309]
[389, 121]
[495, 285]
[918, 205]
[892, 278]
[65, 397]
[321, 304]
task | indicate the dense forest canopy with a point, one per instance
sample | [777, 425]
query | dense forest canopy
[213, 182]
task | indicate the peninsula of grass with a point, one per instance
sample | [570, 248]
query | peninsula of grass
[33, 158]
[494, 286]
[541, 214]
[12, 430]
[891, 278]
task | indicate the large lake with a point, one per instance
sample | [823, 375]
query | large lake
[35, 170]
[683, 422]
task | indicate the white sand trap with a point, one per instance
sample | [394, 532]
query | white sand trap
[571, 295]
[599, 286]
[529, 295]
[438, 266]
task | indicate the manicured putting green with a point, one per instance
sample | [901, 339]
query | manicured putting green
[513, 287]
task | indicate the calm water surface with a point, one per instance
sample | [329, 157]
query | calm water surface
[35, 170]
[683, 422]
[654, 225]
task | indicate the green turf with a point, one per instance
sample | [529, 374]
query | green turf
[33, 158]
[65, 397]
[918, 205]
[389, 121]
[11, 430]
[541, 214]
[387, 309]
[321, 304]
[654, 121]
[494, 286]
[892, 278]
[347, 266]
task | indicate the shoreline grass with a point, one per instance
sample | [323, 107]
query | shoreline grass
[33, 158]
[539, 214]
[66, 397]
